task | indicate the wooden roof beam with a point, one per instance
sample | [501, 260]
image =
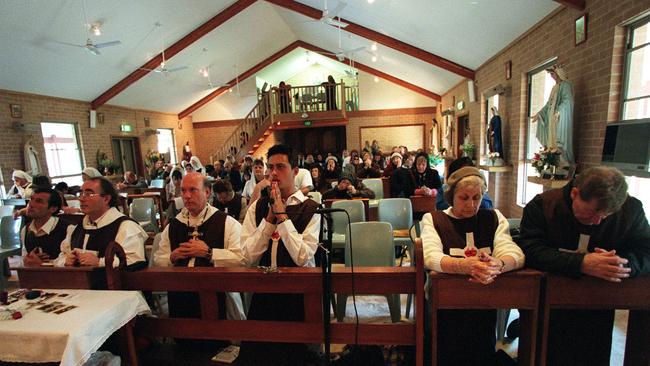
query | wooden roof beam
[576, 4]
[382, 39]
[172, 50]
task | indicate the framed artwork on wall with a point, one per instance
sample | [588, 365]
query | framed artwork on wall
[508, 69]
[16, 110]
[580, 29]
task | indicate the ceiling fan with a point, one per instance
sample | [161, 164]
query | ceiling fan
[328, 17]
[162, 68]
[93, 47]
[342, 54]
[90, 46]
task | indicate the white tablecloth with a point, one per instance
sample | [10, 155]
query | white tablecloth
[73, 336]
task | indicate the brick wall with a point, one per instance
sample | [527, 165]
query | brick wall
[593, 67]
[37, 109]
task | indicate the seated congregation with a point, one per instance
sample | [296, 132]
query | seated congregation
[259, 214]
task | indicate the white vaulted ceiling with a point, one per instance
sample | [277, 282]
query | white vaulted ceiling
[32, 59]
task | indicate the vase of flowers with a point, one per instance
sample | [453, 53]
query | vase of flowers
[546, 161]
[468, 149]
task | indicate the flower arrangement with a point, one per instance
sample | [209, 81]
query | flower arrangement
[152, 157]
[546, 158]
[435, 159]
[468, 148]
[493, 156]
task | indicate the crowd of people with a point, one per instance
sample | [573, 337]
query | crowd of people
[258, 213]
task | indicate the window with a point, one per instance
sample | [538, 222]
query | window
[540, 84]
[166, 144]
[636, 82]
[62, 152]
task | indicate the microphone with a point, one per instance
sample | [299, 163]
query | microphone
[266, 192]
[328, 210]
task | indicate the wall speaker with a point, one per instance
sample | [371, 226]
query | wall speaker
[470, 91]
[93, 118]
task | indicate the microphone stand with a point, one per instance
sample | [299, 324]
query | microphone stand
[326, 267]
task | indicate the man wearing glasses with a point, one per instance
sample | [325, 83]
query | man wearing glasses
[590, 227]
[85, 244]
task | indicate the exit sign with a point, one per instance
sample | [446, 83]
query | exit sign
[126, 128]
[307, 123]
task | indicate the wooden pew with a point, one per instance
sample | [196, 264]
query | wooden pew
[594, 293]
[82, 278]
[308, 281]
[520, 290]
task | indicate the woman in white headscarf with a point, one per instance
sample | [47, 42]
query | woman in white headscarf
[196, 164]
[90, 172]
[22, 187]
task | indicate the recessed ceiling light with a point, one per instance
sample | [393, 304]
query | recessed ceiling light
[376, 79]
[374, 58]
[474, 2]
[96, 28]
[373, 47]
[230, 90]
[370, 1]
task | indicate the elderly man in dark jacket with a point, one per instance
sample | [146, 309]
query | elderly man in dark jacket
[590, 227]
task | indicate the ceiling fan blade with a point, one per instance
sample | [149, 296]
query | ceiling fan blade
[107, 44]
[339, 7]
[335, 23]
[92, 49]
[71, 44]
[176, 69]
[354, 50]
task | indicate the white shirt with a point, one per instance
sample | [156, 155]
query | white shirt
[230, 256]
[249, 187]
[46, 229]
[301, 247]
[130, 236]
[303, 179]
[432, 244]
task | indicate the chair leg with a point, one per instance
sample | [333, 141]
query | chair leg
[341, 302]
[394, 307]
[502, 323]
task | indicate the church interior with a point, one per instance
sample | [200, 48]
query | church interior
[164, 99]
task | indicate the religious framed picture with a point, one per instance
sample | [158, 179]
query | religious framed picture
[580, 29]
[16, 110]
[508, 69]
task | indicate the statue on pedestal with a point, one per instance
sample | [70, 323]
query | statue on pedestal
[555, 119]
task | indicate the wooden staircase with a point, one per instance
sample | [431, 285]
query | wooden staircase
[250, 134]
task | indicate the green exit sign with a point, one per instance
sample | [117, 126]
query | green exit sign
[126, 128]
[307, 123]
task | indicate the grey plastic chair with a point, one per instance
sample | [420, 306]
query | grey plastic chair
[316, 196]
[414, 233]
[143, 210]
[377, 186]
[157, 183]
[399, 213]
[7, 210]
[9, 244]
[372, 246]
[340, 220]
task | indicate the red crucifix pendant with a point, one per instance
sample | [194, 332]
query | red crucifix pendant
[470, 252]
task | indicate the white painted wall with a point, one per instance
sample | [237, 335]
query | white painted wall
[229, 105]
[386, 95]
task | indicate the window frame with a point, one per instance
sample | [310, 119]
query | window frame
[627, 59]
[521, 194]
[77, 135]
